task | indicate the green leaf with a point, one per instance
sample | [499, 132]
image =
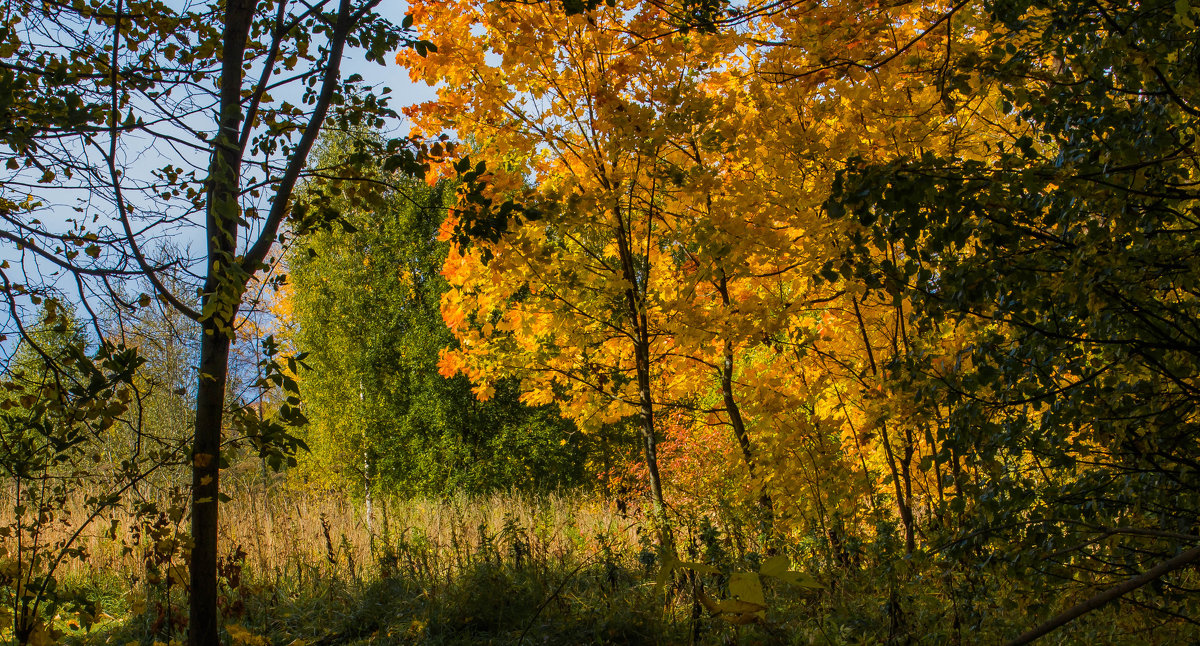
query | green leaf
[777, 567]
[774, 566]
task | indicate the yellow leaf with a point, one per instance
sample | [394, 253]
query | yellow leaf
[732, 610]
[484, 392]
[799, 578]
[177, 574]
[774, 566]
[747, 587]
[664, 573]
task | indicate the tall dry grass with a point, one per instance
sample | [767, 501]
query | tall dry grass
[283, 529]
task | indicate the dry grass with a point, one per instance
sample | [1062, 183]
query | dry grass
[506, 569]
[282, 528]
[314, 558]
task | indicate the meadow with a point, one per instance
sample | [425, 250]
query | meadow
[305, 568]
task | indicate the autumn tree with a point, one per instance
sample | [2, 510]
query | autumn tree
[677, 173]
[592, 263]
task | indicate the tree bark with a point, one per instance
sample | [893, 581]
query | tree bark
[902, 506]
[206, 456]
[649, 439]
[220, 299]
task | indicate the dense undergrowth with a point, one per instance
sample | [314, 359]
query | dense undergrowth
[299, 570]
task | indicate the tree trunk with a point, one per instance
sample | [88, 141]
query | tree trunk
[739, 430]
[366, 470]
[369, 502]
[906, 472]
[222, 292]
[206, 457]
[735, 415]
[902, 505]
[635, 302]
[649, 439]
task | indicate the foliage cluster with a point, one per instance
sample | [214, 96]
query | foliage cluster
[362, 304]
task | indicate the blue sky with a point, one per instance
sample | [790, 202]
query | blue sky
[139, 158]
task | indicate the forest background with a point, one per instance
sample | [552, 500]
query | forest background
[664, 322]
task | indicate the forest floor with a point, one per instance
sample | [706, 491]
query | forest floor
[304, 570]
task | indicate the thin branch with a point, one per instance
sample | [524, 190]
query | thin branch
[1112, 594]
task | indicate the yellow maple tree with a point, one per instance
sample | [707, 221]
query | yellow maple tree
[679, 257]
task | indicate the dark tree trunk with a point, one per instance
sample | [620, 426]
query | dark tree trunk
[222, 293]
[205, 487]
[899, 482]
[228, 274]
[766, 508]
[649, 439]
[906, 471]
